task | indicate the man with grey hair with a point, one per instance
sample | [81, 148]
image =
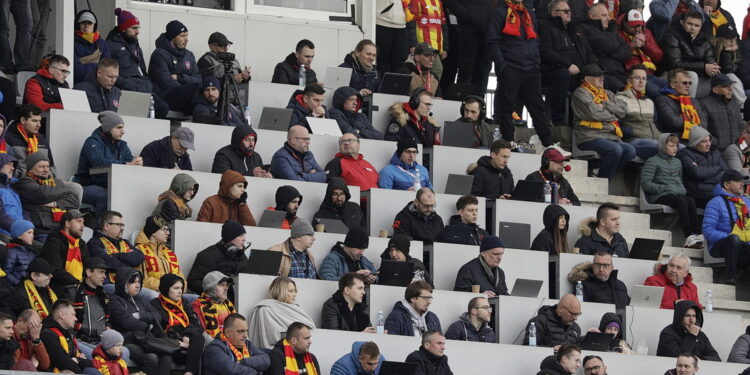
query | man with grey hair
[295, 161]
[351, 165]
[430, 358]
[676, 279]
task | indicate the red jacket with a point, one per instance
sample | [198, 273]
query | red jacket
[44, 98]
[357, 172]
[106, 364]
[651, 48]
[672, 293]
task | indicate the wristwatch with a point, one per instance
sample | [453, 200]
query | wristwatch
[36, 341]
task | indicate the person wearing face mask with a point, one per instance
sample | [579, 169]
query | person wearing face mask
[554, 237]
[270, 317]
[213, 306]
[346, 310]
[364, 72]
[723, 112]
[206, 105]
[173, 203]
[227, 256]
[602, 233]
[89, 47]
[100, 88]
[287, 199]
[345, 109]
[686, 47]
[566, 361]
[230, 203]
[337, 205]
[170, 152]
[702, 166]
[402, 171]
[685, 334]
[240, 156]
[676, 279]
[296, 260]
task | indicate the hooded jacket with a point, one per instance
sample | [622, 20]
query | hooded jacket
[718, 222]
[356, 172]
[290, 164]
[167, 60]
[132, 316]
[608, 318]
[159, 154]
[43, 91]
[172, 206]
[682, 51]
[350, 213]
[564, 190]
[361, 77]
[132, 257]
[287, 72]
[336, 314]
[428, 363]
[403, 124]
[724, 119]
[520, 53]
[337, 263]
[61, 359]
[10, 202]
[474, 273]
[399, 321]
[490, 182]
[471, 234]
[700, 171]
[129, 56]
[639, 116]
[545, 240]
[18, 146]
[674, 339]
[300, 112]
[100, 99]
[98, 151]
[82, 48]
[687, 290]
[662, 174]
[233, 156]
[349, 363]
[612, 291]
[550, 330]
[740, 352]
[222, 207]
[463, 330]
[218, 359]
[354, 122]
[591, 242]
[35, 196]
[222, 257]
[610, 49]
[561, 45]
[398, 175]
[412, 223]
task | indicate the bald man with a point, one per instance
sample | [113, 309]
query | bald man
[294, 161]
[556, 324]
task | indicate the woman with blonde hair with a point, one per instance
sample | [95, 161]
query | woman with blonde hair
[270, 317]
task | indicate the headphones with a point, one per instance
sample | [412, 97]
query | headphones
[482, 106]
[545, 161]
[414, 99]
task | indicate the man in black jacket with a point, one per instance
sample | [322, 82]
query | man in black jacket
[346, 310]
[556, 324]
[463, 228]
[599, 280]
[473, 61]
[66, 252]
[288, 71]
[58, 339]
[484, 270]
[723, 112]
[298, 339]
[492, 176]
[91, 306]
[206, 105]
[100, 88]
[239, 155]
[173, 69]
[418, 219]
[553, 165]
[337, 205]
[685, 334]
[610, 49]
[307, 103]
[603, 233]
[170, 152]
[429, 358]
[227, 256]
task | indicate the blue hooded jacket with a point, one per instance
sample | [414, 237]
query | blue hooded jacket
[10, 202]
[400, 176]
[99, 151]
[334, 265]
[716, 221]
[354, 122]
[349, 363]
[167, 60]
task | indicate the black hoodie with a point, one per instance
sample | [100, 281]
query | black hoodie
[490, 182]
[354, 122]
[350, 213]
[462, 233]
[234, 157]
[545, 240]
[608, 318]
[674, 339]
[551, 366]
[287, 72]
[131, 316]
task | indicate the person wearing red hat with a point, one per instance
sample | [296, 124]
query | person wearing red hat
[553, 165]
[644, 48]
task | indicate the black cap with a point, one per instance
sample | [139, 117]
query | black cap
[218, 39]
[592, 70]
[39, 265]
[726, 31]
[95, 262]
[424, 49]
[721, 79]
[732, 175]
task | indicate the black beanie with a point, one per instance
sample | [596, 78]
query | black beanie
[174, 28]
[357, 238]
[231, 230]
[153, 224]
[166, 282]
[405, 143]
[401, 242]
[286, 194]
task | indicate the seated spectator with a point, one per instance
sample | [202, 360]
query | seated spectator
[43, 89]
[398, 251]
[492, 176]
[365, 77]
[240, 156]
[91, 305]
[677, 281]
[172, 68]
[420, 65]
[554, 237]
[685, 334]
[484, 270]
[345, 109]
[133, 316]
[103, 148]
[23, 138]
[430, 357]
[89, 47]
[686, 47]
[289, 71]
[108, 355]
[737, 155]
[307, 103]
[170, 152]
[213, 307]
[351, 165]
[603, 233]
[296, 261]
[20, 252]
[211, 66]
[230, 203]
[336, 205]
[724, 228]
[349, 257]
[287, 199]
[232, 352]
[67, 253]
[346, 310]
[122, 43]
[226, 256]
[474, 111]
[741, 349]
[600, 282]
[611, 323]
[295, 161]
[639, 116]
[61, 345]
[463, 228]
[644, 50]
[556, 324]
[418, 218]
[687, 364]
[26, 332]
[596, 114]
[473, 325]
[413, 120]
[566, 361]
[272, 316]
[723, 112]
[206, 105]
[551, 170]
[10, 202]
[159, 258]
[610, 49]
[409, 316]
[35, 292]
[677, 111]
[100, 88]
[178, 321]
[404, 171]
[729, 58]
[173, 203]
[702, 166]
[364, 359]
[291, 354]
[661, 180]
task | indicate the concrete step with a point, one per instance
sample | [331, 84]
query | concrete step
[631, 234]
[589, 185]
[578, 168]
[702, 274]
[627, 204]
[634, 220]
[720, 291]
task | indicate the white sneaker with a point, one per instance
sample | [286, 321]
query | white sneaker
[690, 241]
[557, 147]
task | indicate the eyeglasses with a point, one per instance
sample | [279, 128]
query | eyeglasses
[602, 265]
[428, 105]
[426, 298]
[590, 369]
[563, 10]
[639, 78]
[572, 313]
[120, 225]
[63, 71]
[415, 152]
[348, 141]
[303, 139]
[686, 83]
[488, 307]
[165, 229]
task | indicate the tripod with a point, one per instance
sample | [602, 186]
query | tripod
[228, 83]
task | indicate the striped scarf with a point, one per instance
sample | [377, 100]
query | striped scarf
[291, 367]
[107, 366]
[690, 116]
[32, 143]
[429, 18]
[512, 26]
[741, 225]
[645, 59]
[718, 19]
[599, 96]
[638, 94]
[212, 314]
[35, 300]
[177, 314]
[112, 249]
[238, 355]
[49, 181]
[64, 344]
[73, 261]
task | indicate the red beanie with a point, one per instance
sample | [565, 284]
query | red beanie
[125, 19]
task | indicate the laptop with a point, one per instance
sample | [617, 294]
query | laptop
[272, 219]
[397, 368]
[646, 248]
[395, 84]
[263, 262]
[395, 273]
[597, 341]
[515, 235]
[646, 296]
[324, 126]
[75, 100]
[530, 191]
[459, 184]
[458, 91]
[458, 134]
[275, 119]
[333, 225]
[526, 288]
[133, 103]
[337, 77]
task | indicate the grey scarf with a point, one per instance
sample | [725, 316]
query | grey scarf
[492, 273]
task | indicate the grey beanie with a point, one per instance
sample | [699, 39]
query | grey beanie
[33, 159]
[110, 338]
[212, 279]
[697, 133]
[109, 120]
[301, 227]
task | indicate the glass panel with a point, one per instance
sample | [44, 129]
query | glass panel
[335, 6]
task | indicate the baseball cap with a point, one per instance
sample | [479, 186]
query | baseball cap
[424, 49]
[555, 155]
[721, 79]
[218, 39]
[635, 18]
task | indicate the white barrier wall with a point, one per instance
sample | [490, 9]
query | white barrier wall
[442, 110]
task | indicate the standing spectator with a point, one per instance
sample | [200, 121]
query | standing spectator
[473, 60]
[430, 357]
[170, 152]
[610, 49]
[172, 68]
[740, 352]
[429, 27]
[232, 353]
[122, 43]
[213, 307]
[108, 245]
[413, 119]
[484, 270]
[89, 47]
[398, 251]
[686, 47]
[603, 233]
[677, 110]
[663, 12]
[26, 332]
[239, 155]
[365, 359]
[19, 252]
[345, 109]
[23, 139]
[554, 237]
[418, 218]
[21, 11]
[473, 325]
[391, 34]
[422, 68]
[226, 256]
[702, 167]
[644, 50]
[173, 203]
[475, 112]
[295, 161]
[67, 253]
[336, 205]
[346, 310]
[362, 63]
[351, 165]
[677, 282]
[349, 257]
[492, 176]
[289, 71]
[685, 334]
[410, 316]
[270, 317]
[640, 112]
[291, 355]
[287, 199]
[230, 203]
[723, 112]
[99, 85]
[307, 103]
[600, 282]
[296, 260]
[556, 324]
[551, 170]
[159, 258]
[206, 105]
[737, 155]
[463, 228]
[404, 172]
[43, 89]
[61, 345]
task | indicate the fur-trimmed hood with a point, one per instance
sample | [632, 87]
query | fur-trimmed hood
[400, 115]
[587, 225]
[580, 272]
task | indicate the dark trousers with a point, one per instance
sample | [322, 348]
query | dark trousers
[21, 11]
[393, 48]
[473, 61]
[736, 254]
[450, 64]
[560, 82]
[181, 98]
[686, 211]
[194, 353]
[150, 363]
[517, 86]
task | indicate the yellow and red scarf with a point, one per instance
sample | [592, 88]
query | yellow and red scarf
[741, 225]
[35, 300]
[690, 116]
[73, 261]
[112, 249]
[50, 181]
[89, 37]
[638, 94]
[177, 314]
[3, 147]
[212, 314]
[108, 366]
[599, 96]
[645, 59]
[238, 354]
[65, 347]
[291, 367]
[407, 11]
[512, 24]
[717, 19]
[32, 143]
[159, 260]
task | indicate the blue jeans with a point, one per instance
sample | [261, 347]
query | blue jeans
[96, 196]
[21, 11]
[644, 147]
[614, 154]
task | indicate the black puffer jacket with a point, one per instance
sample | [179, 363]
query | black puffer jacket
[545, 240]
[520, 53]
[336, 314]
[428, 363]
[232, 156]
[564, 190]
[551, 366]
[594, 290]
[608, 46]
[701, 171]
[129, 56]
[591, 242]
[361, 78]
[674, 339]
[350, 213]
[724, 120]
[681, 51]
[354, 122]
[471, 235]
[420, 228]
[167, 60]
[287, 72]
[122, 308]
[550, 330]
[490, 182]
[215, 258]
[562, 46]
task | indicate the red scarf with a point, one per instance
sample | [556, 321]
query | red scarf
[638, 94]
[420, 124]
[177, 314]
[689, 113]
[73, 260]
[290, 362]
[238, 354]
[3, 147]
[515, 13]
[32, 143]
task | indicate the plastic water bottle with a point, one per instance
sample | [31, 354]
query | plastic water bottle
[151, 108]
[579, 291]
[248, 116]
[417, 180]
[380, 323]
[532, 334]
[302, 75]
[642, 347]
[709, 301]
[496, 135]
[547, 192]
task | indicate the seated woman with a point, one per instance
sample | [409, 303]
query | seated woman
[173, 203]
[230, 203]
[554, 237]
[345, 110]
[213, 306]
[272, 316]
[398, 250]
[611, 323]
[566, 361]
[178, 321]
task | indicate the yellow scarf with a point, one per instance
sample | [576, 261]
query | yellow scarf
[32, 143]
[718, 19]
[291, 367]
[64, 345]
[74, 260]
[212, 314]
[690, 116]
[112, 249]
[35, 300]
[238, 355]
[599, 96]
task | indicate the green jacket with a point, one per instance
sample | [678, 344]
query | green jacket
[662, 174]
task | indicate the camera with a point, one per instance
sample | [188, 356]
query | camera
[225, 56]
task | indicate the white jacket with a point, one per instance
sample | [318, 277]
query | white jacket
[393, 17]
